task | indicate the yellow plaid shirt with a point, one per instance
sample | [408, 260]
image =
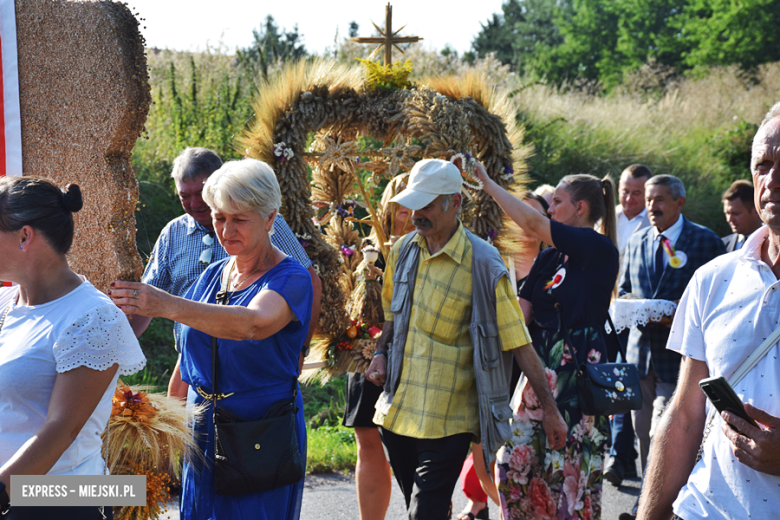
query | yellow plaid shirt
[437, 392]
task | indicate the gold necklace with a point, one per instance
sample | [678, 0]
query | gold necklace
[243, 279]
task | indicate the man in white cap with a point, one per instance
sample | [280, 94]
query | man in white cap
[448, 301]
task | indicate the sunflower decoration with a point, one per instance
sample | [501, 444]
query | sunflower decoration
[401, 157]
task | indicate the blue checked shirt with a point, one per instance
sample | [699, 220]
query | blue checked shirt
[174, 264]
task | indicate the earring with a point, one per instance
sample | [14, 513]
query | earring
[21, 247]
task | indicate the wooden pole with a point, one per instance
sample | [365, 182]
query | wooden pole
[388, 35]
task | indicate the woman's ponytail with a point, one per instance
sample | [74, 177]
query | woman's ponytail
[609, 220]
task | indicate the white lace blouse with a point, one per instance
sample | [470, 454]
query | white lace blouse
[82, 328]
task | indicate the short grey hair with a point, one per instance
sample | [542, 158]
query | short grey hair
[773, 113]
[194, 163]
[446, 200]
[675, 185]
[245, 185]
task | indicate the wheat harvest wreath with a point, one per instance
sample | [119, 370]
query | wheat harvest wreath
[332, 132]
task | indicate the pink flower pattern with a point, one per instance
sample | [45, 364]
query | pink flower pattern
[535, 483]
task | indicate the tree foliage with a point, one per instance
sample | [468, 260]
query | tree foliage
[723, 32]
[270, 45]
[522, 34]
[601, 41]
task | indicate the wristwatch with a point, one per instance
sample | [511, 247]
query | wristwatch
[5, 502]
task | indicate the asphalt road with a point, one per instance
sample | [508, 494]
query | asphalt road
[333, 496]
[330, 497]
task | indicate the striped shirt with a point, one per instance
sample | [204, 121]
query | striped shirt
[437, 391]
[175, 261]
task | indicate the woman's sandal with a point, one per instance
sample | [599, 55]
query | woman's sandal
[483, 514]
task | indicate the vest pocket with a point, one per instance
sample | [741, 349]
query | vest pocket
[502, 412]
[490, 353]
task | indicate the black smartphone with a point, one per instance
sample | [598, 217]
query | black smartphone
[723, 398]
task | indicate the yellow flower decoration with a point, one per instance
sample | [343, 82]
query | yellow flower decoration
[387, 77]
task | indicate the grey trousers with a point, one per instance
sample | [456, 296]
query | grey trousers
[655, 395]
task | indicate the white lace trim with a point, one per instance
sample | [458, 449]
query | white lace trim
[97, 340]
[627, 314]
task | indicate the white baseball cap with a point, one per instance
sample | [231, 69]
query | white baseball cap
[428, 179]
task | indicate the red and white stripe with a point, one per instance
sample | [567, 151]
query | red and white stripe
[11, 123]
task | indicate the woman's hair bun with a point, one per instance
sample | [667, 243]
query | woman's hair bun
[71, 198]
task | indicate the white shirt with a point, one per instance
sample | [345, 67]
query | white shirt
[627, 227]
[82, 328]
[729, 306]
[672, 233]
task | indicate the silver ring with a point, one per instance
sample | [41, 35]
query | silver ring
[135, 293]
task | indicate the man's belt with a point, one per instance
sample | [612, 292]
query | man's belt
[212, 397]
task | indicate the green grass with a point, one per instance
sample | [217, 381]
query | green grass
[330, 448]
[161, 356]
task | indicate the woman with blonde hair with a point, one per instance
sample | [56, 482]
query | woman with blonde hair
[567, 293]
[372, 471]
[260, 332]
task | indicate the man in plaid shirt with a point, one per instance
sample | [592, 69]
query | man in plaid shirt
[188, 244]
[432, 414]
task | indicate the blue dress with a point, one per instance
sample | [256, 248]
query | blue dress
[260, 373]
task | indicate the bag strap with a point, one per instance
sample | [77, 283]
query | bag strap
[223, 298]
[746, 366]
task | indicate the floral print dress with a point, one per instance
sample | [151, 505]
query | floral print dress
[535, 482]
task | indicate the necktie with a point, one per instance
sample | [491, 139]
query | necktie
[659, 260]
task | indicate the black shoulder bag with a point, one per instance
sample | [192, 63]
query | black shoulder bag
[605, 388]
[253, 456]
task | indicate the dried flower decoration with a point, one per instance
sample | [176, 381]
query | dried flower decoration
[491, 235]
[304, 239]
[346, 209]
[508, 173]
[401, 157]
[468, 168]
[283, 152]
[335, 153]
[347, 250]
[387, 77]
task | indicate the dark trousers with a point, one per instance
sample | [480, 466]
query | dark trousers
[623, 430]
[57, 512]
[427, 471]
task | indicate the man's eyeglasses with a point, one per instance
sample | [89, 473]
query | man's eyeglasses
[205, 256]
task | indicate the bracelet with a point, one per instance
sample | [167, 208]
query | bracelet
[378, 352]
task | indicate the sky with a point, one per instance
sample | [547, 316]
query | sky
[193, 24]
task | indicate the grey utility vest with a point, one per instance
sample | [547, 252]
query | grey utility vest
[492, 367]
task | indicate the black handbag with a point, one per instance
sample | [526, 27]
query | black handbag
[254, 456]
[605, 388]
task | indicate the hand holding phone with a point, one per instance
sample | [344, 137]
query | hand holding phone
[723, 398]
